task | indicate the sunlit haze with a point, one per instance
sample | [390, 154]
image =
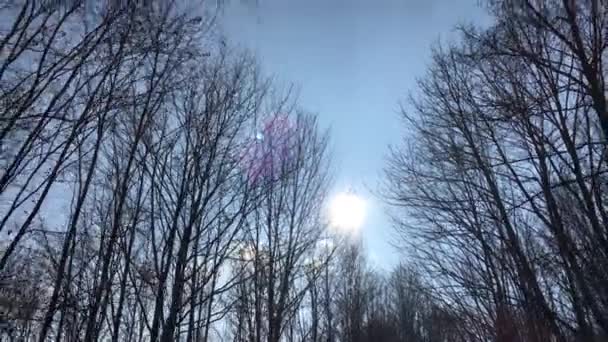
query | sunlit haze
[347, 213]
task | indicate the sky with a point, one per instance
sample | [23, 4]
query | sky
[353, 63]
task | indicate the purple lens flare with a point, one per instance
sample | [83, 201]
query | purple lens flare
[268, 155]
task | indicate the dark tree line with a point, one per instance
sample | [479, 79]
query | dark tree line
[342, 298]
[129, 192]
[501, 192]
[155, 186]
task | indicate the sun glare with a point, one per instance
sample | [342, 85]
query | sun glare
[347, 212]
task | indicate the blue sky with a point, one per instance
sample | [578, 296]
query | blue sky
[353, 63]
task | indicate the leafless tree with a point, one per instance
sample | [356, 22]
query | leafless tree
[126, 109]
[282, 245]
[507, 129]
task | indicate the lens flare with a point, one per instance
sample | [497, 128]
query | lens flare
[269, 154]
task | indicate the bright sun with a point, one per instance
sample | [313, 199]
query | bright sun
[347, 212]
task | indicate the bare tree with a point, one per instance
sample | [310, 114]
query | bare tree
[504, 138]
[289, 167]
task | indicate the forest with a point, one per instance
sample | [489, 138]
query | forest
[157, 185]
